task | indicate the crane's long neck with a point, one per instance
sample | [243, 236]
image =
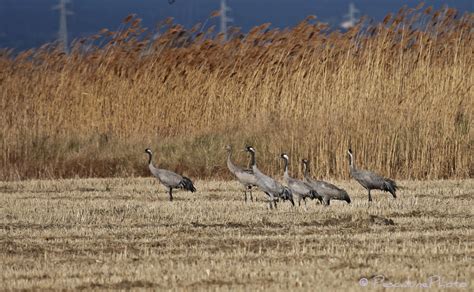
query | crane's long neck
[250, 163]
[286, 167]
[252, 159]
[351, 162]
[305, 170]
[149, 159]
[230, 165]
[286, 176]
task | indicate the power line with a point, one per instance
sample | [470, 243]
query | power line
[224, 18]
[62, 33]
[350, 17]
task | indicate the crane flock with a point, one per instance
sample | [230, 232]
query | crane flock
[275, 191]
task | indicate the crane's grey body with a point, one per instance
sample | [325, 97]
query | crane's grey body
[268, 185]
[244, 176]
[326, 191]
[298, 187]
[169, 179]
[371, 181]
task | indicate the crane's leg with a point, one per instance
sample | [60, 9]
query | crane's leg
[305, 206]
[299, 201]
[270, 199]
[171, 194]
[325, 201]
[370, 197]
[245, 195]
[251, 196]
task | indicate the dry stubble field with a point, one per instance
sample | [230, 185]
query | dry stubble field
[123, 233]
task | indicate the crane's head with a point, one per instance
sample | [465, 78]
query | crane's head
[228, 148]
[305, 163]
[148, 151]
[346, 198]
[349, 153]
[284, 156]
[250, 149]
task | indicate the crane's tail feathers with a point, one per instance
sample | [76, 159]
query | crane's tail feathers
[187, 184]
[315, 195]
[390, 186]
[287, 194]
[292, 201]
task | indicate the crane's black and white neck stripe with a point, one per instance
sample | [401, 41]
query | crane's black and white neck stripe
[148, 151]
[351, 158]
[285, 158]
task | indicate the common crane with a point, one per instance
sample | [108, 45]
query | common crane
[244, 176]
[298, 187]
[168, 178]
[326, 190]
[371, 181]
[268, 185]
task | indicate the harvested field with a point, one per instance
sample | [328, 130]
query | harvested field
[124, 233]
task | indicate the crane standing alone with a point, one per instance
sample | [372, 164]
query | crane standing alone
[168, 178]
[371, 181]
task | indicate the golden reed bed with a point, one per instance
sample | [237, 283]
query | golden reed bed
[400, 93]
